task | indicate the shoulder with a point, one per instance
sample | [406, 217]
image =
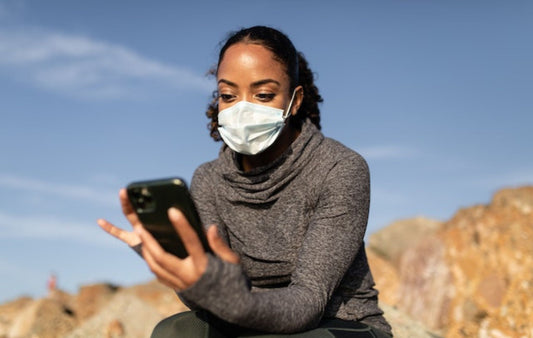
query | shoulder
[341, 179]
[336, 170]
[205, 169]
[203, 176]
[342, 158]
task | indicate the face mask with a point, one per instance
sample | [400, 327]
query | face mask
[250, 128]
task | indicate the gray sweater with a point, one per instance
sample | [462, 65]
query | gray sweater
[298, 226]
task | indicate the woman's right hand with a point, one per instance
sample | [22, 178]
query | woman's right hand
[129, 237]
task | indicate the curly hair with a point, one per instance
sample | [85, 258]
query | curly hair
[296, 67]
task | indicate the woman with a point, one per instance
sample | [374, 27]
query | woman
[290, 208]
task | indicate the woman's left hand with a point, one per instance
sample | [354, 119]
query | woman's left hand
[180, 274]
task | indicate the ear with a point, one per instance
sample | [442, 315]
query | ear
[298, 99]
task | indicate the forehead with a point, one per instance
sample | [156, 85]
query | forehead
[250, 61]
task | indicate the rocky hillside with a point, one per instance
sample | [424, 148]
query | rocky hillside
[106, 311]
[471, 276]
[100, 310]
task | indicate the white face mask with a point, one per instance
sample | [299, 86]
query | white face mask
[250, 128]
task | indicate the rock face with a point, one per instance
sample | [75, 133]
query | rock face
[92, 298]
[400, 236]
[125, 316]
[99, 310]
[44, 318]
[492, 248]
[471, 276]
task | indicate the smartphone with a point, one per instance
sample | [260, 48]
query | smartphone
[151, 200]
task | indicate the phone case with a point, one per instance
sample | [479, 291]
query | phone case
[151, 200]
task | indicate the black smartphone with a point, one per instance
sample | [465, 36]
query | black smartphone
[151, 200]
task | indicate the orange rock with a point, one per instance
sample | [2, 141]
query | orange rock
[91, 298]
[385, 277]
[44, 318]
[115, 329]
[473, 276]
[489, 251]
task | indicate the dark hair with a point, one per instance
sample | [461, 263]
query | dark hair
[296, 67]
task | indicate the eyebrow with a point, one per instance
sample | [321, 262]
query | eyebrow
[254, 84]
[265, 81]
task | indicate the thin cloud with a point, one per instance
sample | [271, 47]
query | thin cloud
[512, 178]
[387, 152]
[84, 67]
[79, 192]
[389, 197]
[11, 270]
[45, 227]
[521, 177]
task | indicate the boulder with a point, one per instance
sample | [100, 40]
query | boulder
[43, 318]
[124, 315]
[470, 276]
[91, 298]
[426, 287]
[392, 241]
[490, 252]
[163, 299]
[386, 278]
[10, 311]
[404, 326]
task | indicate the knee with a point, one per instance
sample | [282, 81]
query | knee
[163, 328]
[184, 324]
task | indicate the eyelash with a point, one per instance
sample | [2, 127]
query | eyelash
[263, 97]
[226, 97]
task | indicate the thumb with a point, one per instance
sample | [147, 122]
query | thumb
[219, 247]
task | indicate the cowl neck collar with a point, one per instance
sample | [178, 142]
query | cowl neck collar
[263, 184]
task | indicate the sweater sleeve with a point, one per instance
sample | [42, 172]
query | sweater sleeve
[201, 189]
[334, 237]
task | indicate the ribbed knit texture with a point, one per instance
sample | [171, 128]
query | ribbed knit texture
[298, 226]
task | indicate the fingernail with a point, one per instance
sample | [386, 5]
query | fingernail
[173, 212]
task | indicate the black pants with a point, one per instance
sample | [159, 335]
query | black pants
[201, 324]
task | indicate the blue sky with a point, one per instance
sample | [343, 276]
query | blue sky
[94, 94]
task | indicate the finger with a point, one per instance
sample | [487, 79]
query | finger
[220, 248]
[188, 237]
[127, 209]
[162, 264]
[163, 276]
[151, 245]
[112, 230]
[164, 259]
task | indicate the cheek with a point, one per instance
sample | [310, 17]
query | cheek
[223, 105]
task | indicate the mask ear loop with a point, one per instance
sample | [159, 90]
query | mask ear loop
[290, 105]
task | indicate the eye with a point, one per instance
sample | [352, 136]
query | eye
[265, 97]
[226, 97]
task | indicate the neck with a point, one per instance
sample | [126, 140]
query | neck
[285, 139]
